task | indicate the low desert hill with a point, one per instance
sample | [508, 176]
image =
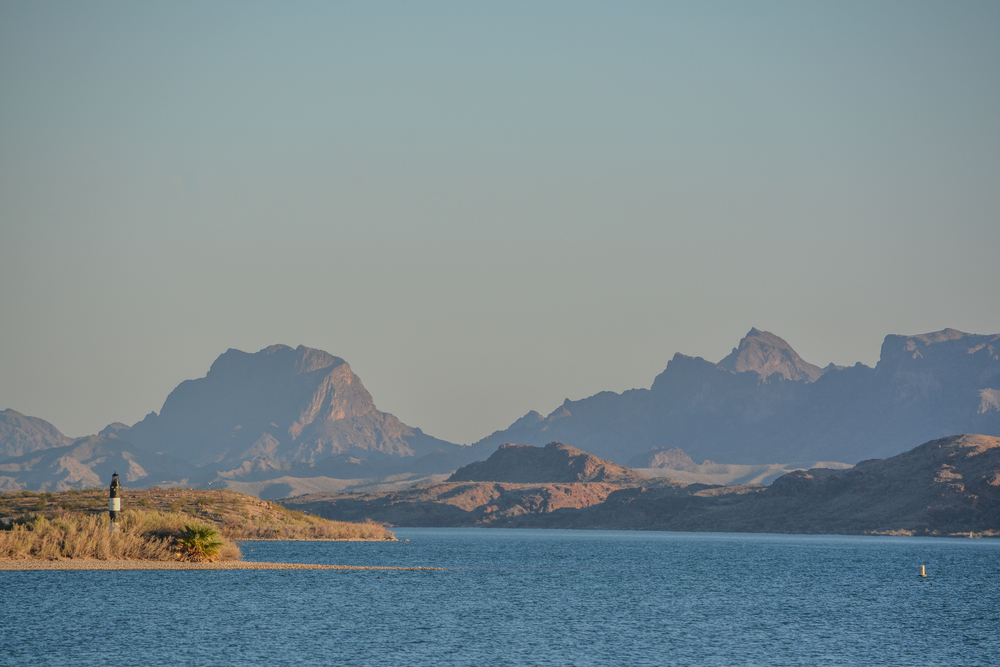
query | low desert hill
[949, 486]
[555, 462]
[235, 515]
[455, 503]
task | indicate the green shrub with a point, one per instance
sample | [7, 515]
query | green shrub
[199, 542]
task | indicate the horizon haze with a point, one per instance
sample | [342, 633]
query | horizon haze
[484, 209]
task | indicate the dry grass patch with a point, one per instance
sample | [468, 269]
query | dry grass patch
[294, 525]
[141, 535]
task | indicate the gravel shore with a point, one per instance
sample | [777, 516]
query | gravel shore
[87, 564]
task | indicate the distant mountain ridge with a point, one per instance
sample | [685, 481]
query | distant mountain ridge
[763, 404]
[302, 414]
[89, 462]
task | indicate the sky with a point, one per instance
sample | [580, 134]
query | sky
[485, 208]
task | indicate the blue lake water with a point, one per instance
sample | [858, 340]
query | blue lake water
[529, 597]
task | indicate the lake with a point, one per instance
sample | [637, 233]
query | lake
[529, 597]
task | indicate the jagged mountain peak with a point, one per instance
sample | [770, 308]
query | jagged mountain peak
[766, 354]
[276, 359]
[298, 405]
[674, 458]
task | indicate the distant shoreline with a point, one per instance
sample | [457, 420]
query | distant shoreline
[93, 564]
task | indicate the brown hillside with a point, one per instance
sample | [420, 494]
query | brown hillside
[236, 515]
[949, 486]
[455, 503]
[555, 462]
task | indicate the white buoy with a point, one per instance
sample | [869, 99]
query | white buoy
[923, 572]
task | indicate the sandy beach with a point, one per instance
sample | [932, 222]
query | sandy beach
[93, 564]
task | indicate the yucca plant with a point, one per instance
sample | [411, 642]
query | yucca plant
[199, 542]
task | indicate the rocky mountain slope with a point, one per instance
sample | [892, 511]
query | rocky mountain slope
[763, 404]
[281, 413]
[555, 462]
[20, 434]
[280, 404]
[949, 486]
[89, 462]
[767, 355]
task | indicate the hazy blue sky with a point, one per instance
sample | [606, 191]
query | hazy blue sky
[484, 208]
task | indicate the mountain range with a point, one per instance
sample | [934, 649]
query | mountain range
[763, 403]
[290, 420]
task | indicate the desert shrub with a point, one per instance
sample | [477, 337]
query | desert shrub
[199, 542]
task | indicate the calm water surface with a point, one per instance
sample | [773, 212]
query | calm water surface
[530, 597]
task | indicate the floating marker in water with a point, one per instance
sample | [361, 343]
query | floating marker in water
[116, 501]
[923, 572]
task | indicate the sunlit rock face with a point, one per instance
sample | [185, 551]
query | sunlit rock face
[767, 355]
[294, 405]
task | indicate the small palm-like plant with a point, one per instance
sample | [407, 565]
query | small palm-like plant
[199, 542]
